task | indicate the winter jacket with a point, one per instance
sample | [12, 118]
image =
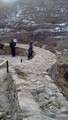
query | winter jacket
[12, 44]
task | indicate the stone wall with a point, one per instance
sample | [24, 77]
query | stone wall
[53, 72]
[59, 74]
[38, 96]
[8, 99]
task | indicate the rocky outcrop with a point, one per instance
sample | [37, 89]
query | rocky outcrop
[8, 99]
[39, 97]
[64, 71]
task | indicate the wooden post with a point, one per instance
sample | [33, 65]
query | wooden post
[21, 60]
[7, 66]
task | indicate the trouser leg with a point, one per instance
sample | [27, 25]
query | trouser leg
[30, 55]
[13, 51]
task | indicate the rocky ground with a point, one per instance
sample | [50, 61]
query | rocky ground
[8, 105]
[45, 22]
[38, 95]
[60, 70]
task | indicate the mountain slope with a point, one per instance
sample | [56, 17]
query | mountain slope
[39, 20]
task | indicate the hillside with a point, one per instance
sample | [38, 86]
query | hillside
[36, 20]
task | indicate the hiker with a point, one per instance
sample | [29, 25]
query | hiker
[30, 50]
[1, 45]
[12, 46]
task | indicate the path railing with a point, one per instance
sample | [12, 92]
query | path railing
[7, 65]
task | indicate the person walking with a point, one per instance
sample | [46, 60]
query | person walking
[30, 50]
[1, 46]
[12, 46]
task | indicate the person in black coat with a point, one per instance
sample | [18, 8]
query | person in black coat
[1, 45]
[12, 46]
[30, 50]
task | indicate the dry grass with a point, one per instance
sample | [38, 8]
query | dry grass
[64, 86]
[62, 83]
[7, 51]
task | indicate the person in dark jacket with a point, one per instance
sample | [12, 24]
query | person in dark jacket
[1, 45]
[12, 46]
[30, 50]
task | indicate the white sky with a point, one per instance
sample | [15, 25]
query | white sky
[8, 1]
